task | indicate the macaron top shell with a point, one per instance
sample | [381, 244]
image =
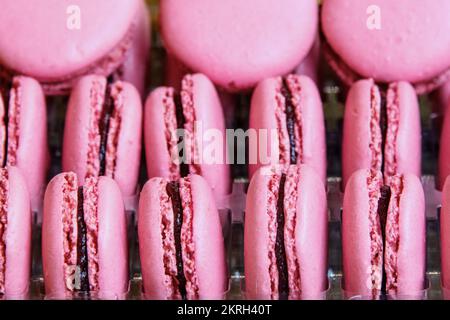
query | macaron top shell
[404, 48]
[238, 43]
[38, 40]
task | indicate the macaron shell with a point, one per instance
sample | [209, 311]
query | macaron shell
[262, 116]
[112, 241]
[65, 51]
[411, 264]
[312, 233]
[445, 235]
[128, 156]
[356, 256]
[134, 67]
[209, 114]
[207, 37]
[33, 157]
[18, 237]
[156, 151]
[151, 250]
[210, 261]
[76, 132]
[356, 153]
[409, 136]
[52, 240]
[405, 46]
[256, 239]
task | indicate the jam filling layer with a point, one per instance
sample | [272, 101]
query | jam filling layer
[280, 250]
[5, 90]
[181, 120]
[290, 121]
[82, 254]
[383, 122]
[382, 210]
[173, 191]
[107, 111]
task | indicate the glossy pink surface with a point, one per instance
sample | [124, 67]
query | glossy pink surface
[403, 48]
[239, 43]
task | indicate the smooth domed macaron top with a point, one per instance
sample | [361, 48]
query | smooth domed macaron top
[390, 40]
[238, 43]
[42, 38]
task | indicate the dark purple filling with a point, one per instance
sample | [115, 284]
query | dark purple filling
[104, 121]
[290, 121]
[82, 254]
[184, 167]
[280, 252]
[382, 210]
[5, 90]
[173, 191]
[383, 121]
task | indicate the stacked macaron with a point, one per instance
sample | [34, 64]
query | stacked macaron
[71, 40]
[285, 241]
[383, 236]
[84, 242]
[381, 130]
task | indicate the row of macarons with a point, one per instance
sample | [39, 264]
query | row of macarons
[105, 122]
[181, 246]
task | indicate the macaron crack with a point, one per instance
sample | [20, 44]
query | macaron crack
[384, 204]
[177, 237]
[288, 116]
[284, 265]
[384, 124]
[179, 121]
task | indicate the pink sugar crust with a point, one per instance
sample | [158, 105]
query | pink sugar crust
[310, 65]
[27, 135]
[67, 54]
[211, 45]
[82, 136]
[415, 57]
[444, 153]
[263, 116]
[15, 244]
[361, 276]
[202, 99]
[107, 241]
[308, 240]
[205, 265]
[362, 135]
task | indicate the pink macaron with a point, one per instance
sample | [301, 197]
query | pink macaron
[15, 235]
[184, 133]
[383, 236]
[381, 130]
[239, 43]
[285, 239]
[103, 131]
[287, 116]
[84, 241]
[388, 40]
[180, 241]
[74, 38]
[23, 133]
